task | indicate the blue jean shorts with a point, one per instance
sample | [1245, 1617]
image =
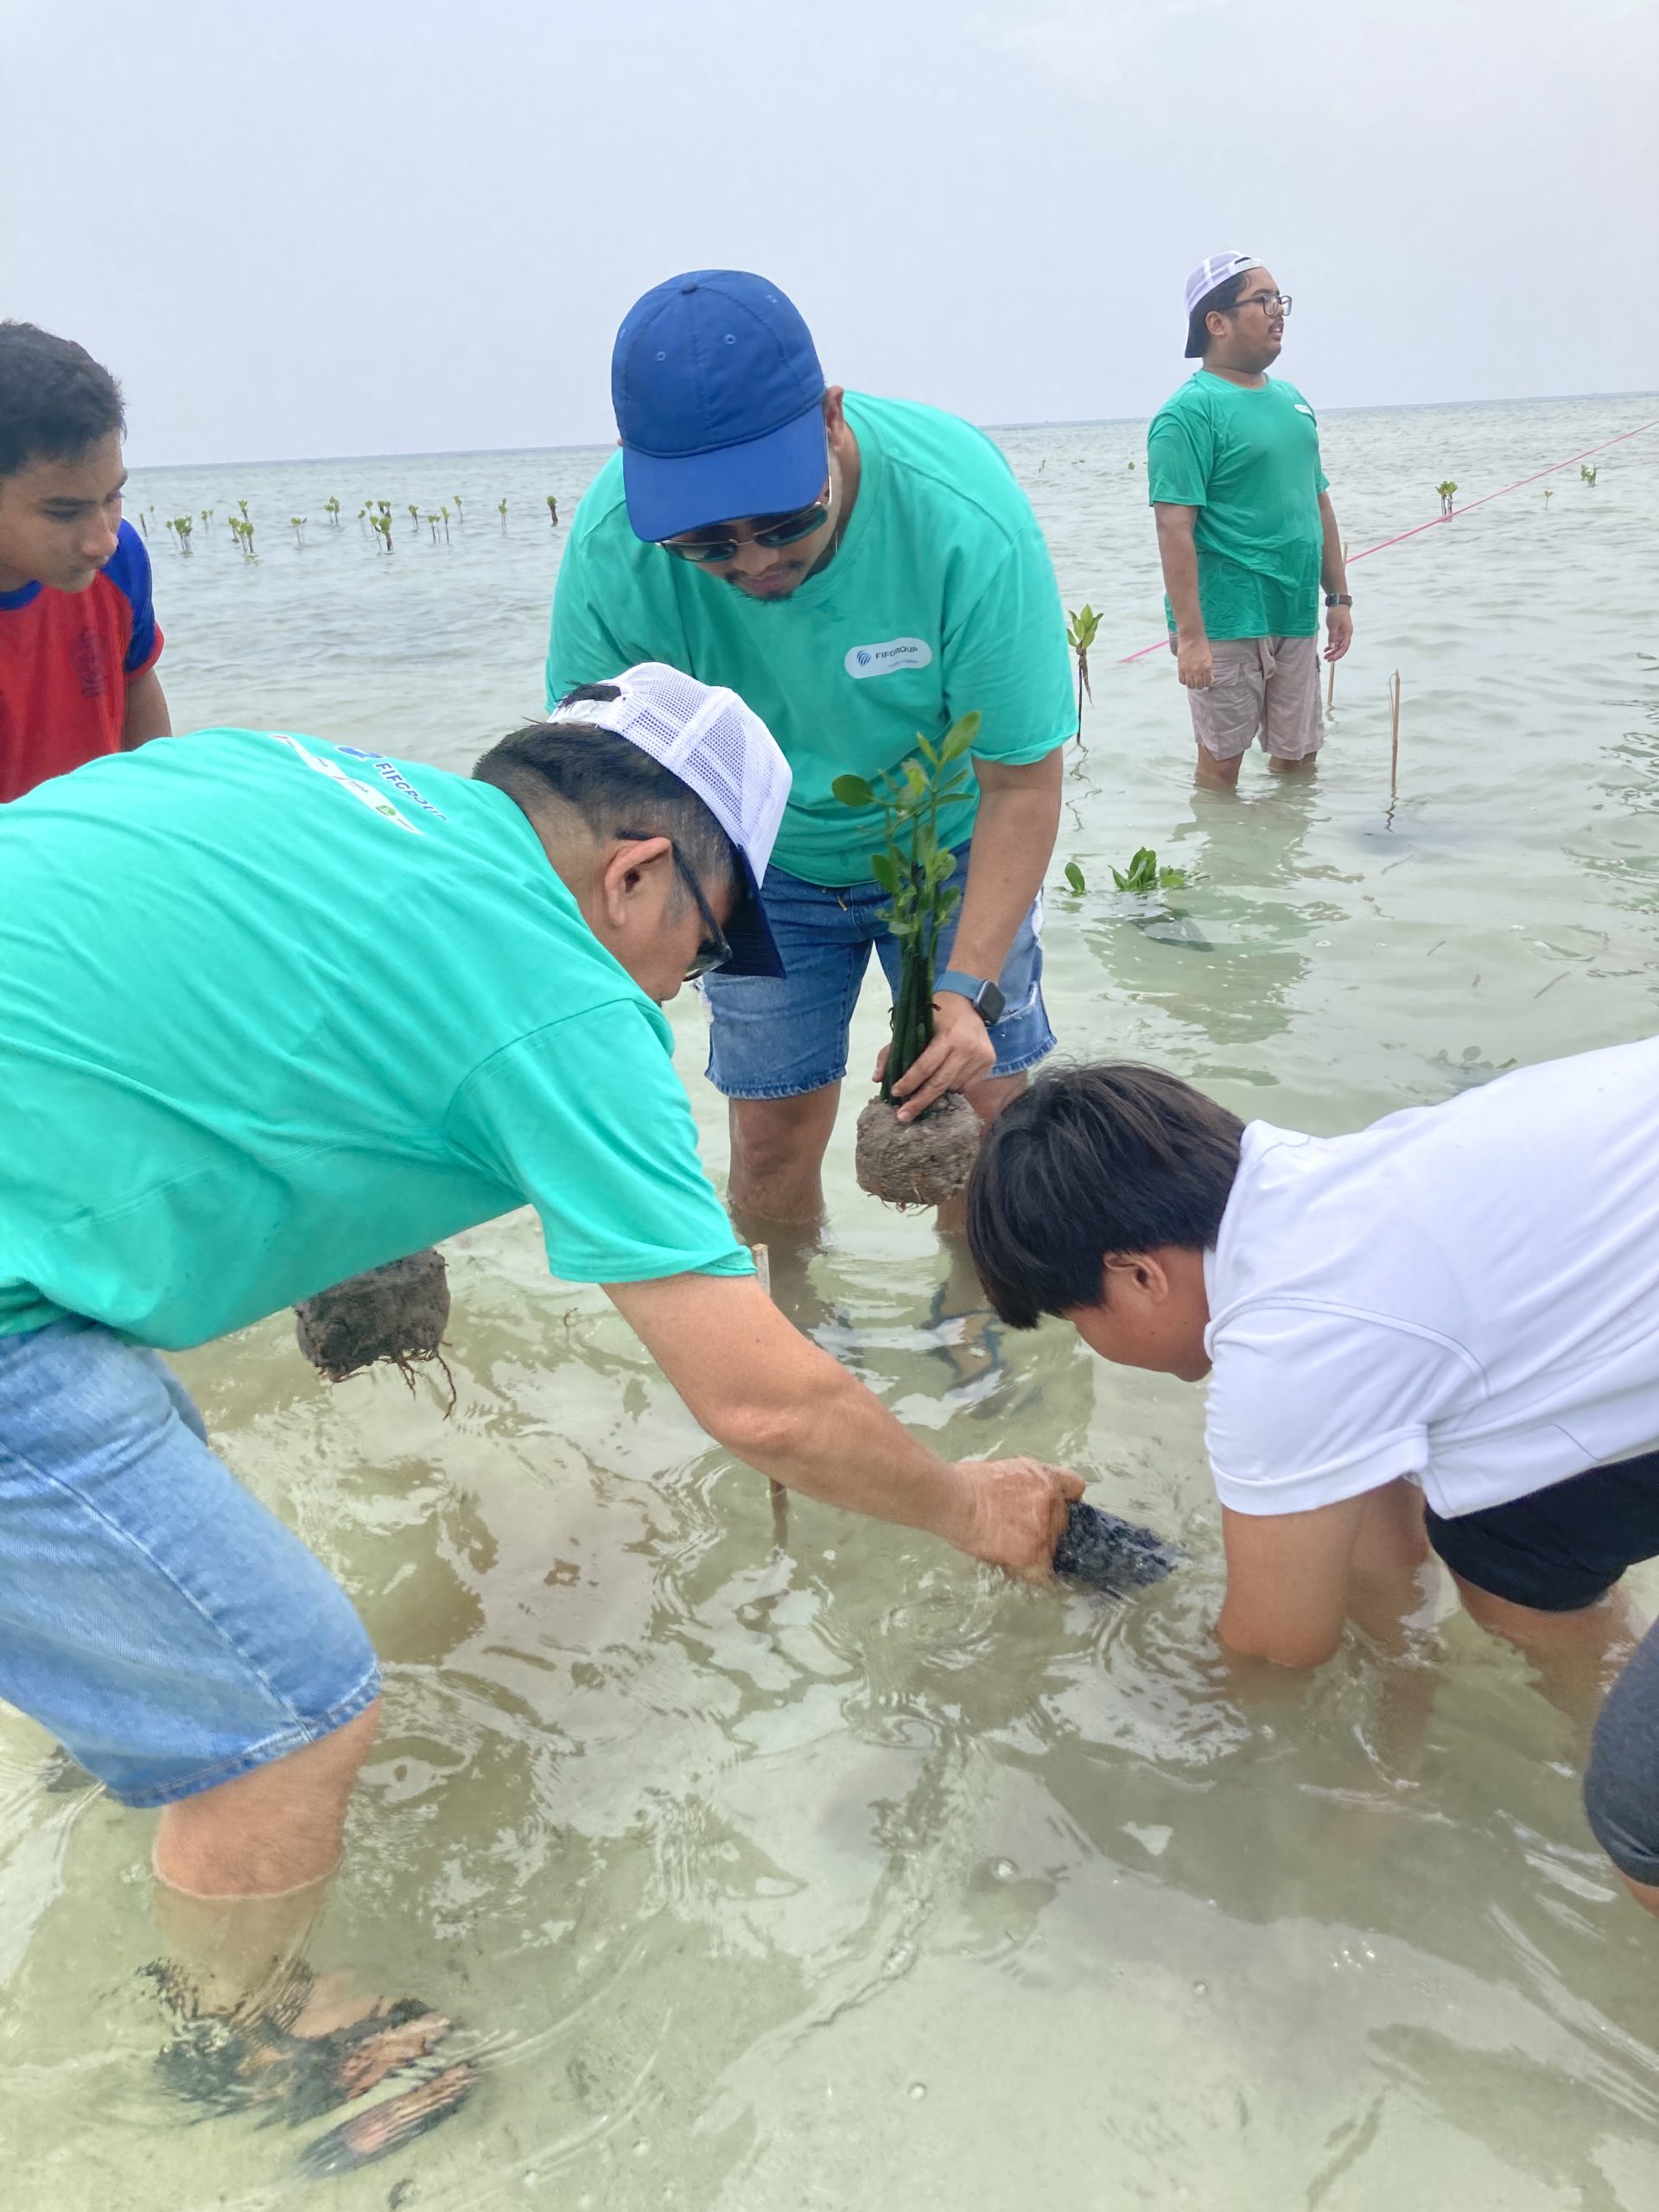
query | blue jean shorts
[168, 1631]
[778, 1038]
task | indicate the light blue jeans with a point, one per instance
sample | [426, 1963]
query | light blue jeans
[168, 1631]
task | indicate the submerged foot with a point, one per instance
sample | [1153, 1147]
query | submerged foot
[971, 1344]
[370, 2135]
[303, 2048]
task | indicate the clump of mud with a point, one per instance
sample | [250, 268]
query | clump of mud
[397, 1314]
[1106, 1554]
[919, 1163]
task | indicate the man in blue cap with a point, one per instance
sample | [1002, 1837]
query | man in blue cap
[858, 570]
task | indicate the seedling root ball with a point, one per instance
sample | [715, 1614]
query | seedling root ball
[919, 1163]
[397, 1314]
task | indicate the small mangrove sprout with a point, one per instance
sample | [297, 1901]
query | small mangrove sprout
[1075, 878]
[297, 524]
[1144, 879]
[501, 509]
[432, 523]
[1083, 627]
[1448, 492]
[243, 506]
[183, 524]
[552, 511]
[927, 1160]
[1587, 476]
[1549, 493]
[382, 523]
[460, 514]
[331, 508]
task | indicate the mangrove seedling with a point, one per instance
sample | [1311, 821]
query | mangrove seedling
[432, 521]
[552, 511]
[331, 508]
[1586, 475]
[1144, 879]
[1083, 627]
[460, 514]
[927, 1160]
[382, 523]
[243, 504]
[1549, 493]
[297, 524]
[143, 524]
[1075, 878]
[1448, 492]
[183, 525]
[501, 509]
[207, 517]
[444, 514]
[414, 514]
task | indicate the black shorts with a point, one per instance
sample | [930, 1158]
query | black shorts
[1562, 1547]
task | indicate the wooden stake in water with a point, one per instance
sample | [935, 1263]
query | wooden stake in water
[1394, 737]
[762, 1259]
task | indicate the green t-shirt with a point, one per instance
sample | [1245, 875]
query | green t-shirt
[941, 599]
[1248, 459]
[277, 1011]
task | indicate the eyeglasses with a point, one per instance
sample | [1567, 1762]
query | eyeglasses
[713, 951]
[1267, 301]
[782, 530]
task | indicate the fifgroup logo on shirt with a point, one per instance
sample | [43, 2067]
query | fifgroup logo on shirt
[365, 793]
[881, 660]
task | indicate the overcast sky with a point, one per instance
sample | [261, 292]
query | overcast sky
[362, 226]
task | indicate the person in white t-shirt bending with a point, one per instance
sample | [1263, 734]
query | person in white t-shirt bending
[1442, 1329]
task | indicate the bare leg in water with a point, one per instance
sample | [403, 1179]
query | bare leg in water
[241, 1874]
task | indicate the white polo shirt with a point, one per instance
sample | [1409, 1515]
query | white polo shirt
[1467, 1293]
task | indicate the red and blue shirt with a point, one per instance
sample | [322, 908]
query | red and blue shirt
[66, 661]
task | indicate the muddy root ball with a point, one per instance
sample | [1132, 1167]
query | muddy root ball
[398, 1312]
[919, 1163]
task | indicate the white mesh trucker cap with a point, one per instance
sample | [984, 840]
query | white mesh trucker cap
[722, 751]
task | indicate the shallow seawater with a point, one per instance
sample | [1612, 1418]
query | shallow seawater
[848, 1877]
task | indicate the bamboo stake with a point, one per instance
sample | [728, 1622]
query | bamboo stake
[780, 1494]
[1394, 736]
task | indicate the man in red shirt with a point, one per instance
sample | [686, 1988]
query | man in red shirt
[79, 639]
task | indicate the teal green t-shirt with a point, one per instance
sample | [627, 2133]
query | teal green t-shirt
[941, 599]
[277, 1011]
[1248, 459]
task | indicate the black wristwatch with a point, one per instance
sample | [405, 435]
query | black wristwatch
[1337, 599]
[986, 999]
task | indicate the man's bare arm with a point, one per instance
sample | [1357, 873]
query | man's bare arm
[1178, 553]
[1014, 842]
[772, 1398]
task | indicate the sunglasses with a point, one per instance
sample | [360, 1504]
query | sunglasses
[785, 530]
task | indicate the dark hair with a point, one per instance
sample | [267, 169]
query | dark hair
[54, 399]
[1092, 1161]
[612, 785]
[1222, 301]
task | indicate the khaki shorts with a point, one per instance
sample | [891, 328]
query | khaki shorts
[1266, 688]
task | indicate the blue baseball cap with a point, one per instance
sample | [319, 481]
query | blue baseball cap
[719, 402]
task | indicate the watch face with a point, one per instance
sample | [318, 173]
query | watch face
[990, 1003]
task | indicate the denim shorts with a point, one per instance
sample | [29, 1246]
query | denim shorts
[168, 1631]
[780, 1037]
